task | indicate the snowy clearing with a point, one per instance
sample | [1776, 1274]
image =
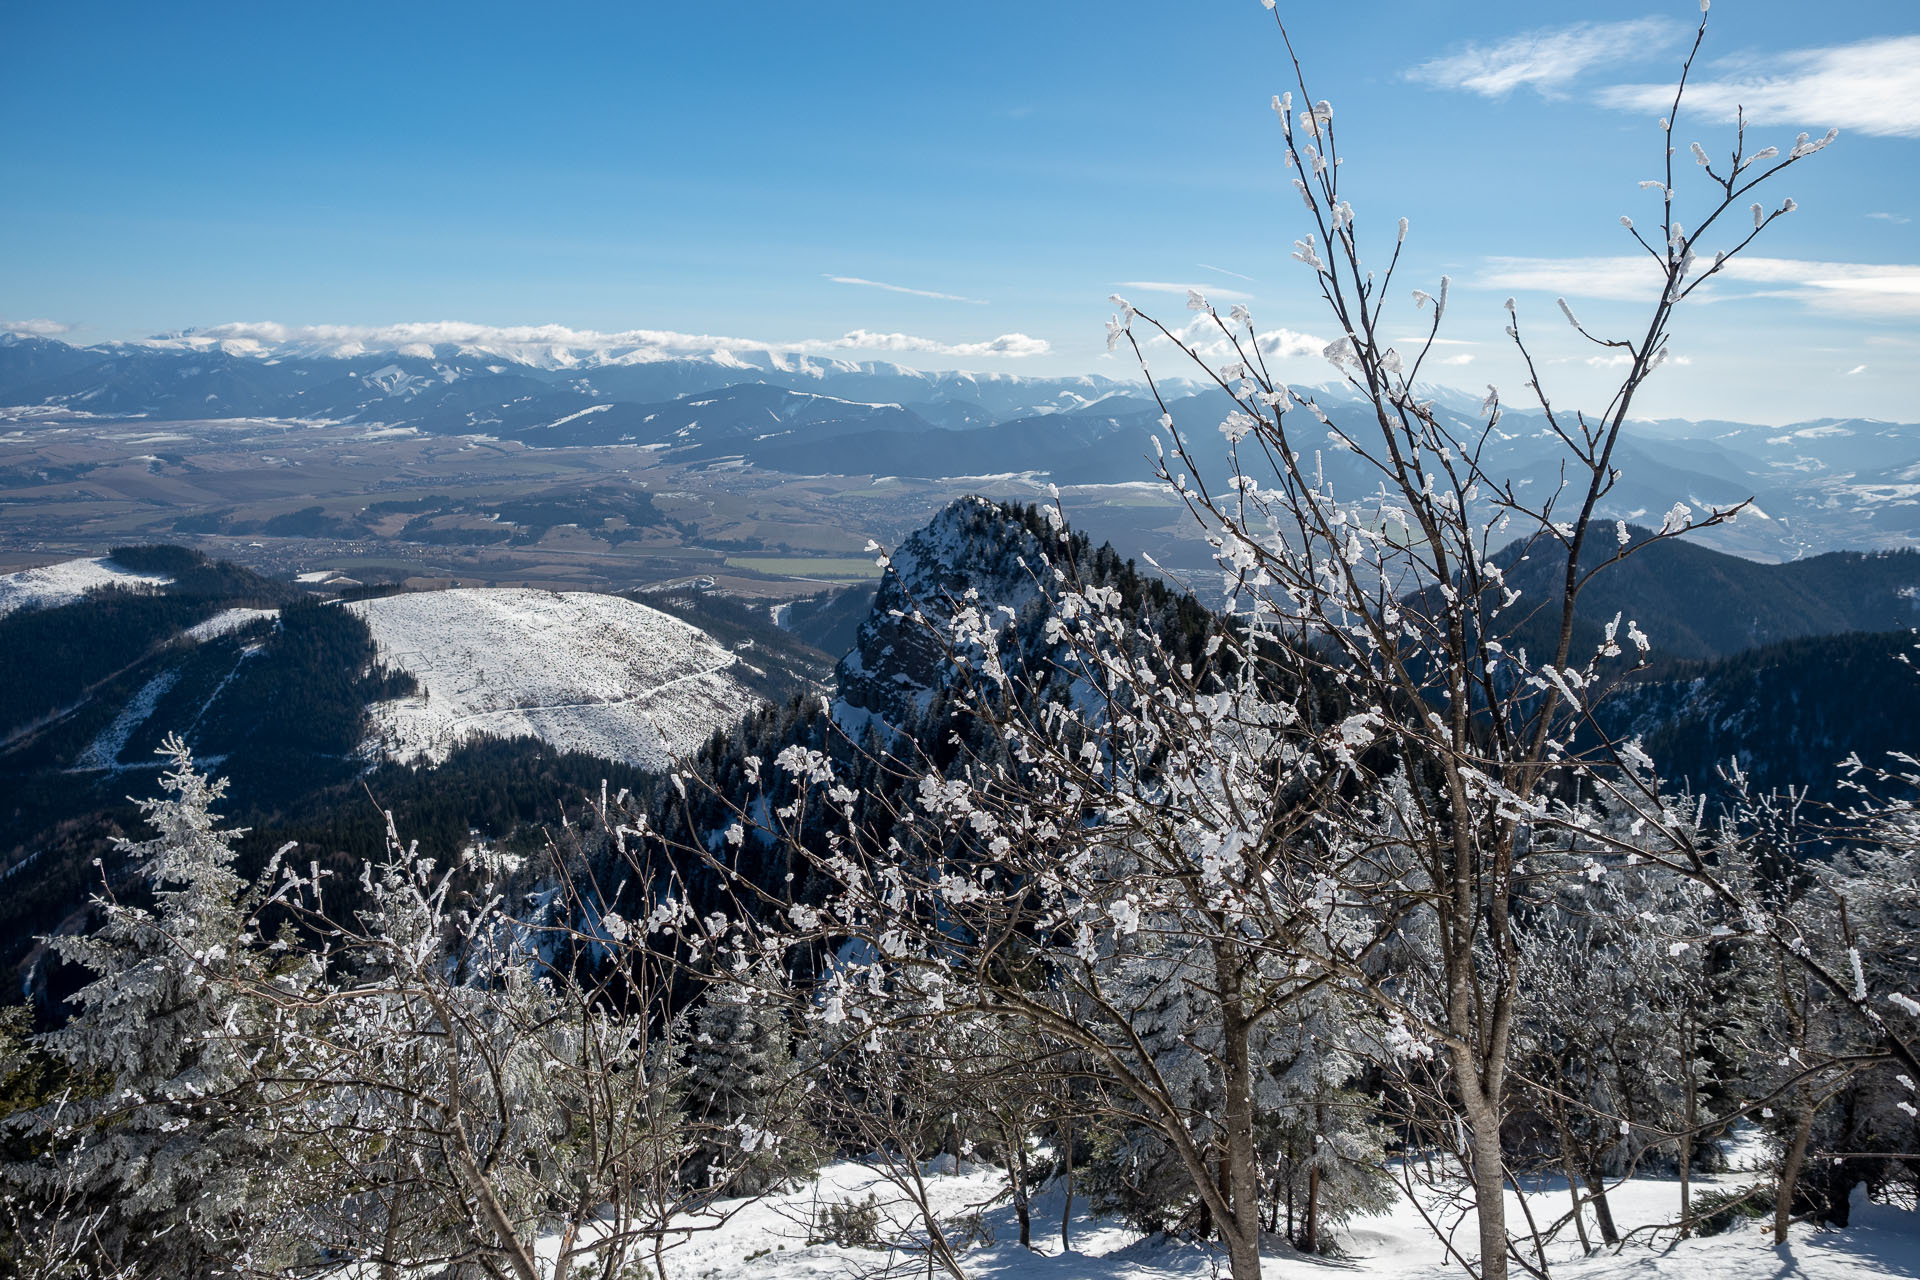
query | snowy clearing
[768, 1239]
[104, 751]
[582, 671]
[228, 621]
[52, 585]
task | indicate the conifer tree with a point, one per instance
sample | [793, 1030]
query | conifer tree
[149, 1144]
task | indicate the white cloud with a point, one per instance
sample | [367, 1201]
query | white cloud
[1859, 368]
[1168, 286]
[900, 288]
[1291, 343]
[1546, 60]
[34, 328]
[1872, 86]
[1853, 287]
[1204, 336]
[559, 346]
[1899, 219]
[1465, 357]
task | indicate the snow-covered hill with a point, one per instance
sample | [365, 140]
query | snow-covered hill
[56, 584]
[581, 671]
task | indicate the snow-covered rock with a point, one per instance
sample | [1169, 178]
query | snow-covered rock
[581, 671]
[971, 545]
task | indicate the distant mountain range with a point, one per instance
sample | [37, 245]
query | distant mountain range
[456, 389]
[1816, 486]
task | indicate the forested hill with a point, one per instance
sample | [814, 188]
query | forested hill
[1698, 604]
[1786, 713]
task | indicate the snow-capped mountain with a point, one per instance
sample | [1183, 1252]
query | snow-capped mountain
[211, 375]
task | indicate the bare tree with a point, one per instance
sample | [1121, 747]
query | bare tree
[1348, 789]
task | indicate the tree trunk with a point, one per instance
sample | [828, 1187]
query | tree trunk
[1015, 1149]
[1579, 1213]
[1566, 1162]
[1842, 1174]
[1310, 1235]
[1690, 1118]
[1686, 1150]
[389, 1270]
[1489, 1188]
[1066, 1213]
[1242, 1190]
[1602, 1210]
[1790, 1174]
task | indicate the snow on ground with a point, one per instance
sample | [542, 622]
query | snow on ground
[582, 671]
[52, 585]
[768, 1239]
[104, 751]
[227, 621]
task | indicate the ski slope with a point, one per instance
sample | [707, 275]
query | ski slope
[52, 585]
[582, 671]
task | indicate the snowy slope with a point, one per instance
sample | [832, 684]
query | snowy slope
[56, 584]
[582, 671]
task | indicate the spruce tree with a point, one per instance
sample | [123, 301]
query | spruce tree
[146, 1146]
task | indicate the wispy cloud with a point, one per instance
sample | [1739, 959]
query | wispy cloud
[1859, 368]
[35, 328]
[1899, 219]
[559, 346]
[1546, 60]
[1208, 266]
[1872, 86]
[1169, 286]
[1621, 279]
[900, 288]
[1851, 287]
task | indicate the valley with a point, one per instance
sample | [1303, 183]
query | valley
[762, 476]
[300, 497]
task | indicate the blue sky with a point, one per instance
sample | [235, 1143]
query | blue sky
[737, 171]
